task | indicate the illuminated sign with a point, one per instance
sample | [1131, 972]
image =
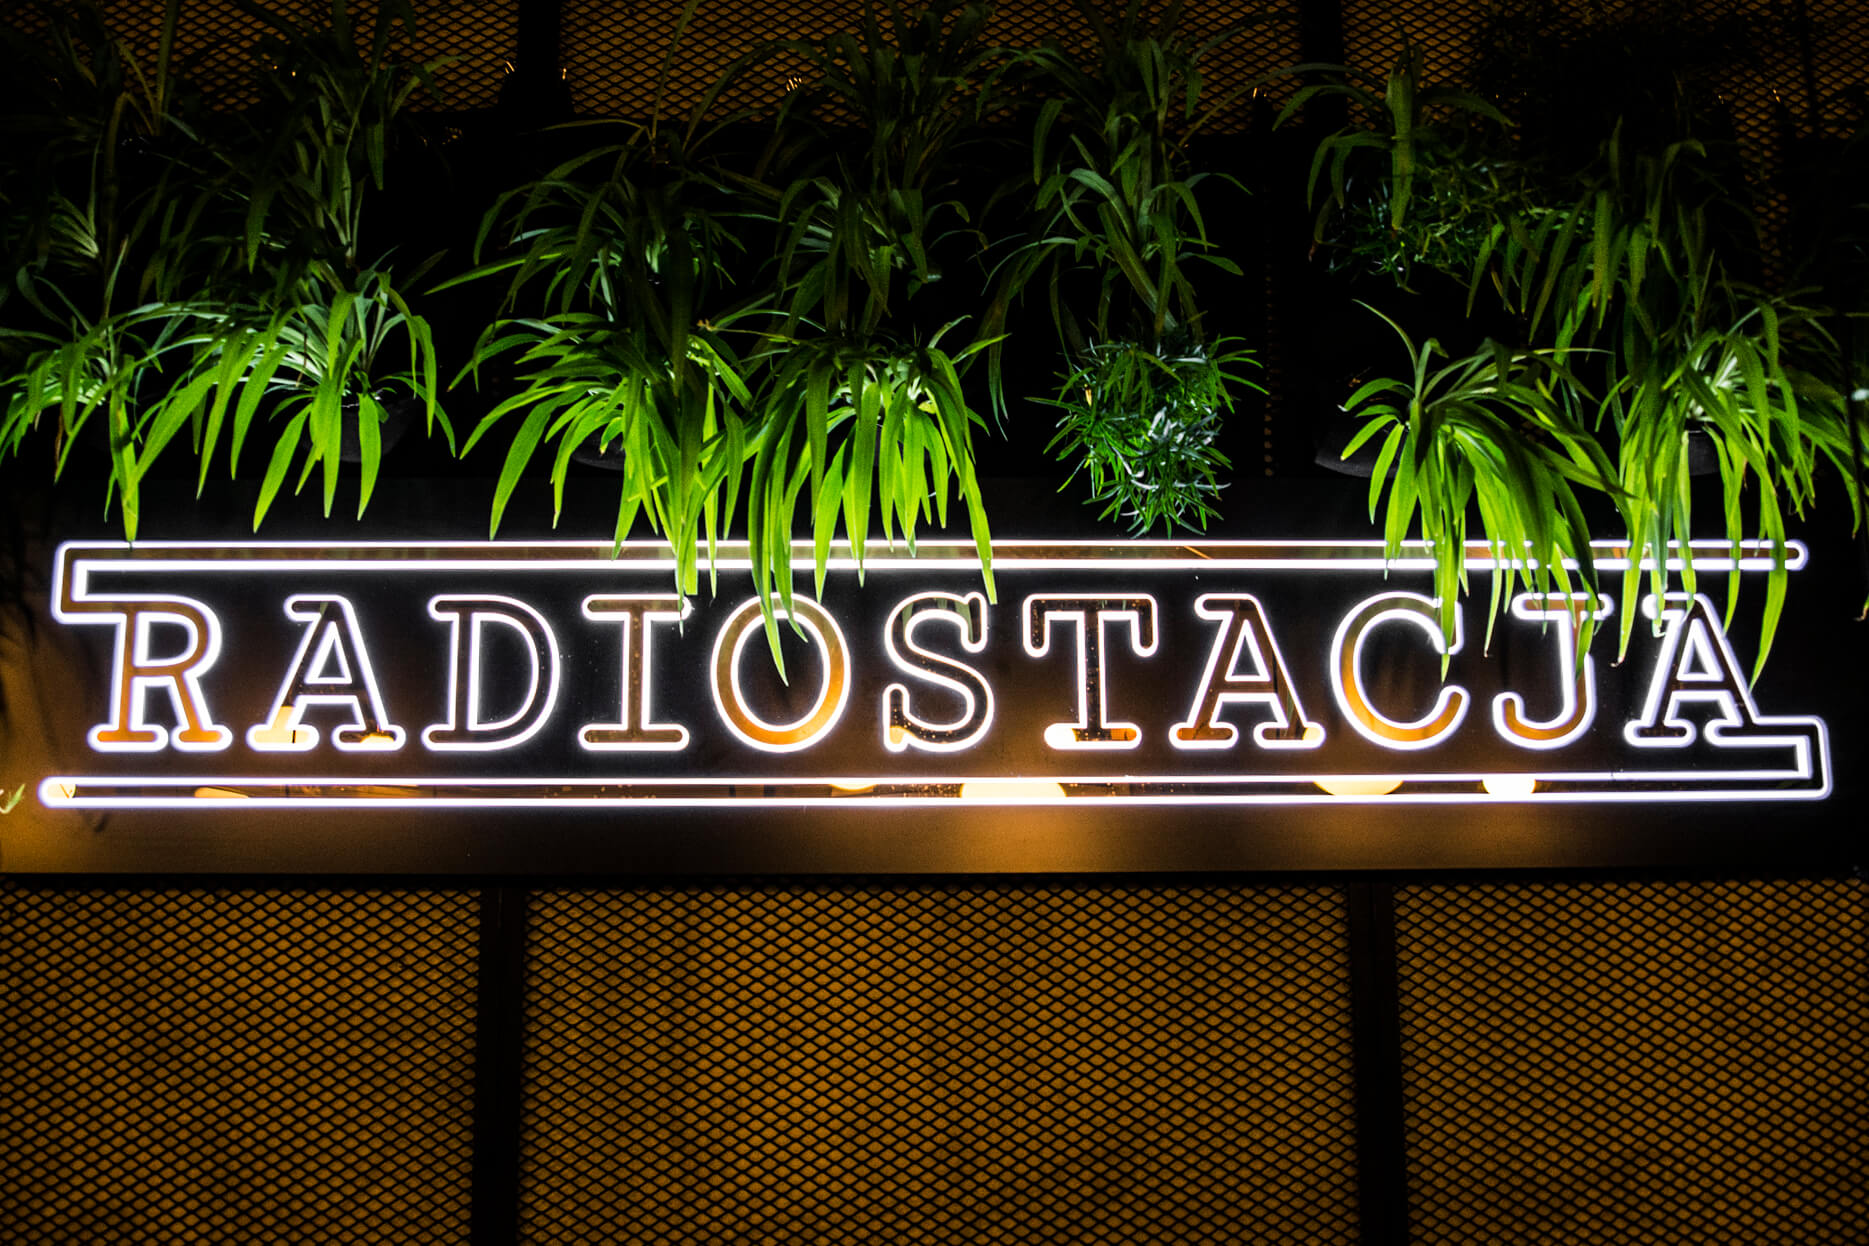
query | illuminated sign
[1145, 673]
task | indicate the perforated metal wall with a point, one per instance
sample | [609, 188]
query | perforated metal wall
[218, 44]
[1610, 1063]
[870, 1064]
[235, 1065]
[1773, 70]
[613, 54]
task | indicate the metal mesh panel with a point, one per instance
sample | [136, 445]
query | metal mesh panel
[234, 1066]
[913, 1064]
[1634, 1062]
[1840, 61]
[613, 53]
[217, 43]
[1758, 93]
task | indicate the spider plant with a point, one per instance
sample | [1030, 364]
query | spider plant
[1619, 276]
[234, 288]
[1497, 433]
[313, 325]
[621, 253]
[1443, 148]
[94, 313]
[815, 382]
[858, 400]
[1116, 225]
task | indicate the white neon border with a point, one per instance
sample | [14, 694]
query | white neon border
[1811, 743]
[53, 791]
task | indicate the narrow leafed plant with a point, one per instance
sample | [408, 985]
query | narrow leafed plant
[314, 327]
[622, 254]
[1142, 426]
[1440, 177]
[860, 398]
[96, 326]
[229, 288]
[1494, 435]
[1620, 275]
[1115, 231]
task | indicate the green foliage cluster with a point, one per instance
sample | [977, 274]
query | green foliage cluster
[179, 271]
[1635, 338]
[1115, 226]
[754, 318]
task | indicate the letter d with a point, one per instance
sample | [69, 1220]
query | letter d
[467, 728]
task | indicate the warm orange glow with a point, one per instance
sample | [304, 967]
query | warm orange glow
[1377, 785]
[1011, 791]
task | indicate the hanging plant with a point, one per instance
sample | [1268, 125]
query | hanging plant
[1116, 225]
[233, 290]
[621, 254]
[814, 384]
[1624, 292]
[1142, 426]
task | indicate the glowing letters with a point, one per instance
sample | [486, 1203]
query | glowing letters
[1346, 673]
[633, 731]
[1696, 663]
[954, 703]
[902, 728]
[1576, 681]
[833, 689]
[467, 730]
[1244, 632]
[1092, 730]
[332, 668]
[136, 672]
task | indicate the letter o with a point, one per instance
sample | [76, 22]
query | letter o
[833, 693]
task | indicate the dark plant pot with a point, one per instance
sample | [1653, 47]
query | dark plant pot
[1330, 435]
[609, 459]
[397, 416]
[1701, 459]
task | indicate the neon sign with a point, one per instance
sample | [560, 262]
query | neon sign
[1149, 673]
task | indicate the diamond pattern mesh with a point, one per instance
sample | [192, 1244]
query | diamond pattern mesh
[1635, 1062]
[1763, 92]
[234, 1066]
[912, 1064]
[613, 54]
[217, 43]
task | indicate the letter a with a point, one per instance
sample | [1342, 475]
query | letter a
[1695, 664]
[332, 667]
[1244, 631]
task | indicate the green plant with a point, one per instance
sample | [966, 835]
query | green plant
[1633, 272]
[1495, 433]
[858, 397]
[815, 378]
[227, 287]
[1441, 159]
[309, 315]
[1115, 212]
[628, 270]
[96, 315]
[1142, 425]
[1620, 277]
